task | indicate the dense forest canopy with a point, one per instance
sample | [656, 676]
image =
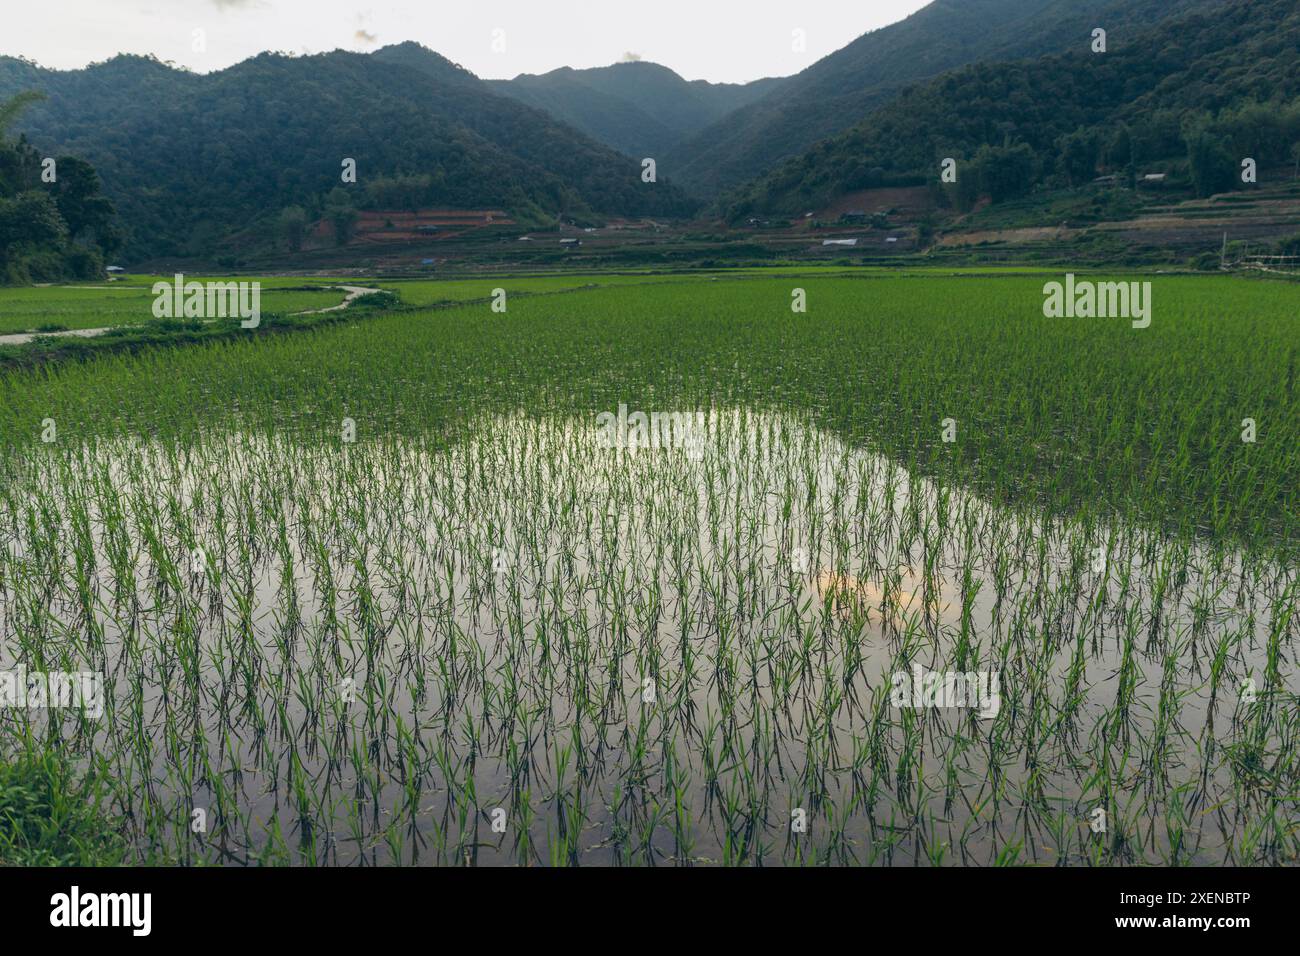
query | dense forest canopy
[252, 156]
[54, 223]
[1200, 93]
[843, 88]
[194, 160]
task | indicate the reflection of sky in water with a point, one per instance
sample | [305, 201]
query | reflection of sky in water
[512, 593]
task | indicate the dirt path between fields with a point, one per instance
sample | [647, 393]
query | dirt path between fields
[354, 292]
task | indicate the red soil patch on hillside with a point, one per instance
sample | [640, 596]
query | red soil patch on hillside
[908, 203]
[391, 225]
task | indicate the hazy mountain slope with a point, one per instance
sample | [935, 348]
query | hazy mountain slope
[601, 115]
[1144, 92]
[842, 89]
[641, 109]
[191, 158]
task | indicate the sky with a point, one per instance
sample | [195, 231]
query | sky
[731, 41]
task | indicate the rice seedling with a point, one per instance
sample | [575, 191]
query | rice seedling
[466, 630]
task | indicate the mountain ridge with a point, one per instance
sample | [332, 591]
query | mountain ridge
[271, 132]
[843, 88]
[639, 108]
[1222, 70]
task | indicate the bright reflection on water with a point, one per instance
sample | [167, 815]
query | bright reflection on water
[381, 651]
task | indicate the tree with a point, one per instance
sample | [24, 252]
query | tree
[1006, 172]
[341, 214]
[1121, 156]
[1212, 166]
[925, 230]
[52, 229]
[1078, 156]
[344, 221]
[965, 192]
[292, 226]
[86, 212]
[1120, 150]
[28, 222]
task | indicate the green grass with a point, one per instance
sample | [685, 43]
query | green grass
[1068, 414]
[49, 817]
[25, 309]
[421, 292]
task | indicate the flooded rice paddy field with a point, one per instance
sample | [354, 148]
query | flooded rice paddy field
[518, 645]
[399, 591]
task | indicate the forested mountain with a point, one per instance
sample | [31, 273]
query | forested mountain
[54, 224]
[641, 109]
[1205, 90]
[199, 164]
[842, 89]
[190, 158]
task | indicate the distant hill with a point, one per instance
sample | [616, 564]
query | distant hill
[842, 89]
[192, 159]
[641, 109]
[1200, 93]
